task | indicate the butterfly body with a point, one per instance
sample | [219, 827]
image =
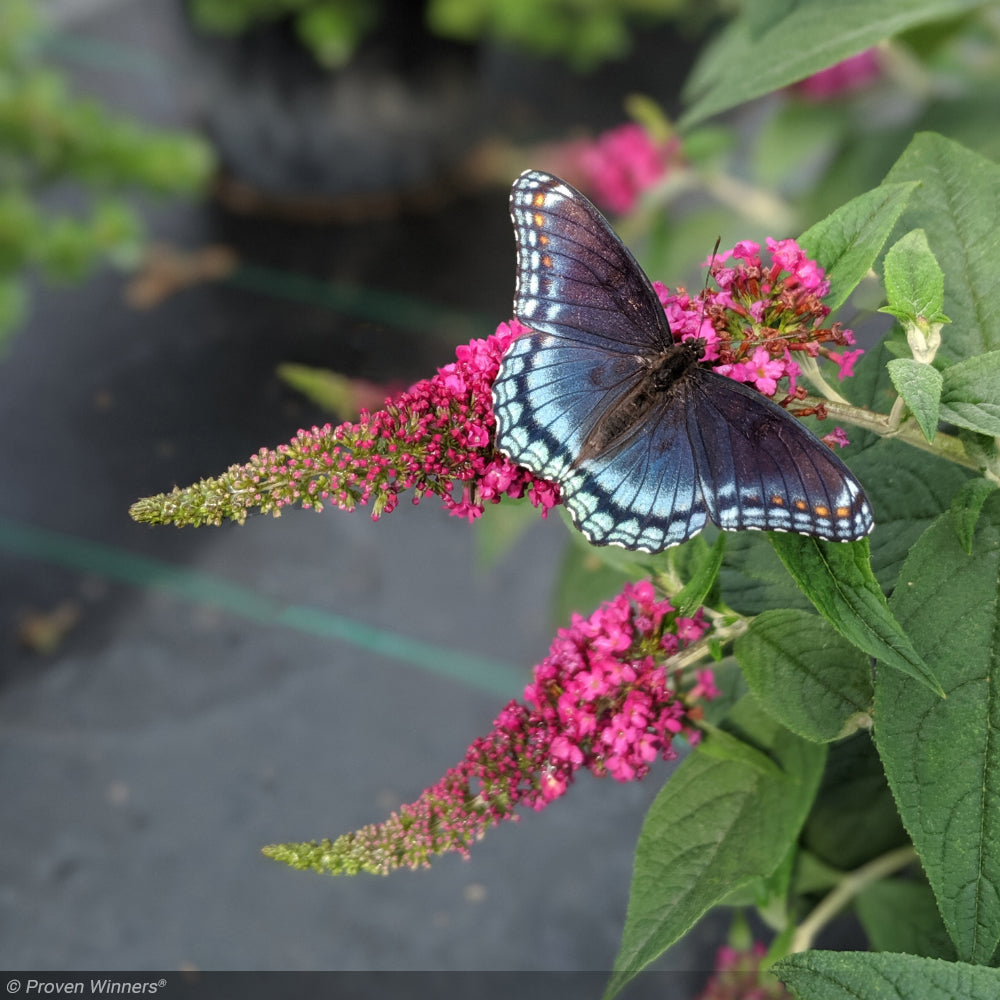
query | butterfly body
[626, 415]
[645, 443]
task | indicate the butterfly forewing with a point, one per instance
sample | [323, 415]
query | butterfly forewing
[575, 278]
[548, 398]
[703, 447]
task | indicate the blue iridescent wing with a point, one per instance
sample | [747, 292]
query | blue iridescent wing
[647, 496]
[587, 302]
[702, 446]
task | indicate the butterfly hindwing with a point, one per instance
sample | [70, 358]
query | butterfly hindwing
[760, 468]
[700, 447]
[648, 497]
[548, 396]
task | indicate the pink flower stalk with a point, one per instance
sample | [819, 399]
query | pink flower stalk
[622, 163]
[760, 315]
[845, 362]
[738, 976]
[604, 699]
[432, 438]
[844, 77]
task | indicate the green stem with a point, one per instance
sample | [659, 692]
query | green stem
[724, 630]
[849, 887]
[945, 446]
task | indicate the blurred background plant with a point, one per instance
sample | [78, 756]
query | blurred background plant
[65, 163]
[583, 33]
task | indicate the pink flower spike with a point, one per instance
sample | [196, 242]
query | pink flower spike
[535, 748]
[705, 686]
[690, 629]
[434, 438]
[792, 370]
[764, 371]
[623, 163]
[745, 250]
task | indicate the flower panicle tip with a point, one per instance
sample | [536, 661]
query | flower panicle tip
[435, 438]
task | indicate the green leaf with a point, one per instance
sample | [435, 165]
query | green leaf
[920, 386]
[716, 825]
[941, 756]
[966, 508]
[854, 817]
[705, 572]
[902, 916]
[753, 579]
[805, 675]
[764, 48]
[983, 449]
[908, 488]
[970, 396]
[849, 975]
[838, 579]
[722, 745]
[848, 241]
[328, 389]
[957, 205]
[794, 138]
[914, 281]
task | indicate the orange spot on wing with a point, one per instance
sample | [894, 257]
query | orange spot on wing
[538, 200]
[778, 501]
[538, 219]
[843, 512]
[801, 505]
[820, 511]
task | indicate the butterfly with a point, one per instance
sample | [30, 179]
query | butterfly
[645, 443]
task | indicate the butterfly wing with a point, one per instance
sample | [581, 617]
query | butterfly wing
[716, 450]
[648, 495]
[548, 396]
[576, 280]
[760, 468]
[589, 306]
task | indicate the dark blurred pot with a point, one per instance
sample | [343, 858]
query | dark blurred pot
[397, 118]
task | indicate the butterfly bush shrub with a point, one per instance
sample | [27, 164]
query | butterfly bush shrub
[838, 699]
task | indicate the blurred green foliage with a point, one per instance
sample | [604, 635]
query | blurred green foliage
[53, 143]
[584, 33]
[330, 29]
[792, 157]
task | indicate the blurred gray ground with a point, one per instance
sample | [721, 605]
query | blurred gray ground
[145, 761]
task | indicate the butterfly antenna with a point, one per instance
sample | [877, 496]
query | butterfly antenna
[708, 274]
